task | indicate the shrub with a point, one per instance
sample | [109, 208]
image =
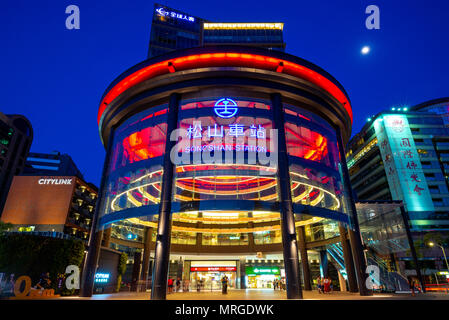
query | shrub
[31, 255]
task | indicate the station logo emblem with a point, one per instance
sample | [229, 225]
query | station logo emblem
[226, 108]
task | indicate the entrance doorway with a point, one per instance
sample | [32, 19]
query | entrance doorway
[211, 280]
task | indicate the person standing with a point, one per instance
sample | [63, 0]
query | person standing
[224, 285]
[44, 281]
[170, 285]
[318, 285]
[412, 285]
[326, 285]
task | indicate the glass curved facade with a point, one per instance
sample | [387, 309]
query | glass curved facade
[134, 175]
[224, 152]
[226, 190]
[315, 166]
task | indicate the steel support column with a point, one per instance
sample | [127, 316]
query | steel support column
[90, 265]
[107, 237]
[353, 230]
[146, 254]
[324, 264]
[289, 242]
[349, 263]
[162, 249]
[406, 220]
[304, 258]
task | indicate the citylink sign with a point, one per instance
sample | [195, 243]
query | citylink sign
[55, 181]
[162, 12]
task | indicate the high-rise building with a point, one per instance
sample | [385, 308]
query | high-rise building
[439, 106]
[51, 205]
[50, 164]
[403, 154]
[173, 30]
[16, 136]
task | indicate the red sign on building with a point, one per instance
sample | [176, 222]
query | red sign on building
[193, 269]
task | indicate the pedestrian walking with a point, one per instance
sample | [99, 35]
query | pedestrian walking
[412, 285]
[170, 285]
[327, 284]
[318, 285]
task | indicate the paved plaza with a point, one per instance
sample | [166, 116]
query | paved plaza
[261, 294]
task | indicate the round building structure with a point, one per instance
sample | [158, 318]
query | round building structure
[230, 152]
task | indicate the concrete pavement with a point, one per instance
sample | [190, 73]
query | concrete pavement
[261, 294]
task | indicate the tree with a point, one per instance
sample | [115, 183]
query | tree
[5, 226]
[435, 237]
[25, 254]
[121, 269]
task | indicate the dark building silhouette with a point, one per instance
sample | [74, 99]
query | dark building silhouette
[16, 136]
[54, 163]
[174, 30]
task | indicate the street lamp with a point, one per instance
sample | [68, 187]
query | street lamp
[442, 249]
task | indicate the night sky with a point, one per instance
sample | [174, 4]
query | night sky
[55, 77]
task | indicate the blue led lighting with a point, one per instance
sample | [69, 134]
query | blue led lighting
[226, 108]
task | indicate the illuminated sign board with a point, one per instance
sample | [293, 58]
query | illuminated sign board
[225, 108]
[102, 277]
[162, 12]
[262, 270]
[231, 25]
[55, 181]
[402, 163]
[208, 269]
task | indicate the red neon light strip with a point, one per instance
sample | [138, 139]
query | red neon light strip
[222, 60]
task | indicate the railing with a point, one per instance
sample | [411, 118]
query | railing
[336, 252]
[391, 280]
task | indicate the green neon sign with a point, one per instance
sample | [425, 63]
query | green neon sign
[262, 270]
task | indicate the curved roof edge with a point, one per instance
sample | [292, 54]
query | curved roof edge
[429, 103]
[274, 58]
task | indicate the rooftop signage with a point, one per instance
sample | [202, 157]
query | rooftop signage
[172, 14]
[277, 26]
